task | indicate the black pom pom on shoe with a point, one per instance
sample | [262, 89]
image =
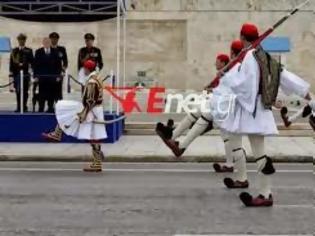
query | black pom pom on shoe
[246, 198]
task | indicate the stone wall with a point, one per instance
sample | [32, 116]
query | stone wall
[176, 41]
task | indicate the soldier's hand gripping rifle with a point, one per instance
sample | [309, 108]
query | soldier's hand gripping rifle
[242, 54]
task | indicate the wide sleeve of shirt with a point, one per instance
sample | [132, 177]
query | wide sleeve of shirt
[245, 83]
[228, 76]
[293, 84]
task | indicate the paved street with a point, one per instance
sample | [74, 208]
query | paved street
[134, 149]
[58, 199]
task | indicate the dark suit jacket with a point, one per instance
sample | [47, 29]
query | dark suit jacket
[62, 53]
[49, 66]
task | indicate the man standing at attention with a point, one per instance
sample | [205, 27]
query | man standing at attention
[48, 73]
[62, 53]
[21, 59]
[89, 52]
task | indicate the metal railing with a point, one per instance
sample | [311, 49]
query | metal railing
[68, 84]
[61, 8]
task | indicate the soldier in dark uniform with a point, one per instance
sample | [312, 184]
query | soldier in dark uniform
[89, 52]
[62, 53]
[21, 59]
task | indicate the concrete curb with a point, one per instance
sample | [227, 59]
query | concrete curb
[149, 158]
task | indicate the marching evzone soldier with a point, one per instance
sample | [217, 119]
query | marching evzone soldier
[21, 59]
[202, 122]
[256, 86]
[62, 53]
[236, 47]
[169, 134]
[306, 111]
[78, 119]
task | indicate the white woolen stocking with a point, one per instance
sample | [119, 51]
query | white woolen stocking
[258, 148]
[239, 156]
[199, 128]
[184, 125]
[228, 148]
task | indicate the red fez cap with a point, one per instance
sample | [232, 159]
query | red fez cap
[250, 30]
[90, 65]
[237, 46]
[224, 58]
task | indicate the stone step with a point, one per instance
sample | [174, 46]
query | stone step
[151, 126]
[216, 132]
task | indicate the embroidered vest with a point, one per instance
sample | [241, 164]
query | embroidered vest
[269, 82]
[98, 89]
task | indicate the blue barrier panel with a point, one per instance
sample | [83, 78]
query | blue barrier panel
[29, 126]
[5, 45]
[121, 127]
[276, 44]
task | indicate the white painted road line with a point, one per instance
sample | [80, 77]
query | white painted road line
[243, 235]
[306, 206]
[155, 163]
[143, 170]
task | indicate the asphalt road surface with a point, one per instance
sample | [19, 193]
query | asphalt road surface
[58, 199]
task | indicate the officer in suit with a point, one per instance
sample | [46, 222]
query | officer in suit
[21, 59]
[89, 52]
[62, 53]
[48, 73]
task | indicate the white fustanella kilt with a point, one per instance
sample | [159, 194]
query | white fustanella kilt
[66, 114]
[240, 121]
